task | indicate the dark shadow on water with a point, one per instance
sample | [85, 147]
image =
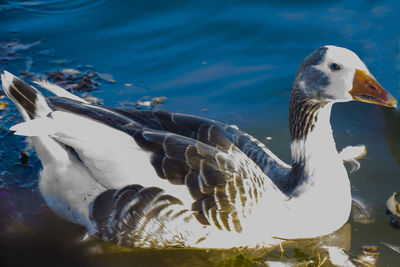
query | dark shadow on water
[47, 244]
[392, 121]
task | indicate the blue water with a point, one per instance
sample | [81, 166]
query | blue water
[232, 62]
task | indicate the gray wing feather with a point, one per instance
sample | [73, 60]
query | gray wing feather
[208, 131]
[203, 129]
[219, 183]
[139, 216]
[219, 164]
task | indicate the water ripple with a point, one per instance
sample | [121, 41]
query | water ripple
[51, 7]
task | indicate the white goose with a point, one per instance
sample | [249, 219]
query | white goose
[154, 179]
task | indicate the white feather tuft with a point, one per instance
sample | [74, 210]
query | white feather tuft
[350, 153]
[41, 107]
[36, 127]
[59, 91]
[6, 79]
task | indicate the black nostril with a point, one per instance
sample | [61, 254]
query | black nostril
[372, 87]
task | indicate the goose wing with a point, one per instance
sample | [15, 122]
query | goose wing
[223, 182]
[195, 127]
[209, 132]
[206, 173]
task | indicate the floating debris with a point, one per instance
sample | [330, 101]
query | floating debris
[351, 154]
[361, 212]
[3, 106]
[149, 104]
[393, 209]
[140, 104]
[92, 99]
[288, 263]
[70, 71]
[24, 158]
[78, 80]
[81, 67]
[392, 247]
[267, 140]
[368, 257]
[143, 103]
[106, 77]
[128, 84]
[158, 100]
[9, 50]
[71, 79]
[61, 62]
[393, 204]
[338, 257]
[33, 76]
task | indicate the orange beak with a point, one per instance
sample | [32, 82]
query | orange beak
[367, 89]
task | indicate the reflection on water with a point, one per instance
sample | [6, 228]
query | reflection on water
[54, 242]
[46, 240]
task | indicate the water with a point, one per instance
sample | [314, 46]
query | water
[231, 62]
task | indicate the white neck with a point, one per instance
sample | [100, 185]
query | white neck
[317, 153]
[321, 202]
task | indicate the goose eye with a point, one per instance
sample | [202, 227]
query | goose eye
[335, 67]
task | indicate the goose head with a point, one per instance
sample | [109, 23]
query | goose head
[336, 74]
[329, 75]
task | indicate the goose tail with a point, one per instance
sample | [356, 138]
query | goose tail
[29, 101]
